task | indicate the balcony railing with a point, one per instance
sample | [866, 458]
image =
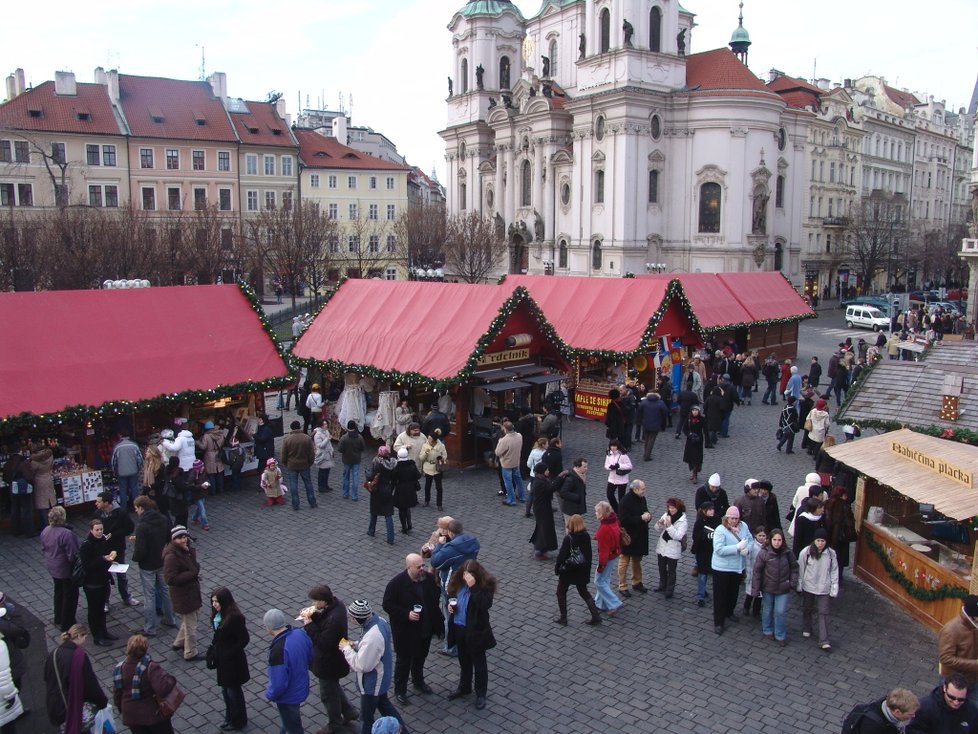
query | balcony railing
[834, 222]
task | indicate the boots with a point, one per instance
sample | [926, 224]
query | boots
[561, 619]
[595, 612]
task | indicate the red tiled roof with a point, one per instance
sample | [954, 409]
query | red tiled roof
[180, 105]
[799, 99]
[319, 151]
[785, 83]
[900, 97]
[720, 69]
[796, 93]
[60, 113]
[261, 125]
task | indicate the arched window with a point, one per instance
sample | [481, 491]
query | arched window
[553, 58]
[655, 30]
[778, 256]
[525, 183]
[562, 254]
[710, 208]
[504, 72]
[596, 255]
[779, 193]
[464, 74]
[653, 187]
[604, 21]
[599, 187]
[461, 197]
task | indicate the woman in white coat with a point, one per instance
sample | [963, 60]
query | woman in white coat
[818, 581]
[10, 704]
[671, 527]
[812, 479]
[619, 468]
[819, 417]
[324, 456]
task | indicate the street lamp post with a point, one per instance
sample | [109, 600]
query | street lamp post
[655, 267]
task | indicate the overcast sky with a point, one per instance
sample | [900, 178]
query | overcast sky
[389, 59]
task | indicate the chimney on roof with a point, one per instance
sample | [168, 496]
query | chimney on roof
[64, 84]
[111, 81]
[100, 76]
[774, 74]
[20, 86]
[339, 129]
[280, 109]
[219, 84]
[847, 83]
[822, 83]
[11, 87]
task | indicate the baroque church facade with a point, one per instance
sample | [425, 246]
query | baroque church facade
[601, 145]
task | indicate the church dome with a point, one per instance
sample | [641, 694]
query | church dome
[489, 7]
[740, 35]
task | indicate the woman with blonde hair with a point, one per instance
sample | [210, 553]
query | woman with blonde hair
[74, 695]
[154, 478]
[136, 684]
[60, 548]
[573, 568]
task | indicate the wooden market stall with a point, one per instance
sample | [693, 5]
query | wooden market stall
[81, 365]
[482, 352]
[915, 506]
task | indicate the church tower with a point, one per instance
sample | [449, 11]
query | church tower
[740, 40]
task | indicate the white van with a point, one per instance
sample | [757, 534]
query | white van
[868, 317]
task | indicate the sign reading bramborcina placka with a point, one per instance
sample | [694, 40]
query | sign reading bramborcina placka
[946, 469]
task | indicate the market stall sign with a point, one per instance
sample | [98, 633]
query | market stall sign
[509, 355]
[590, 404]
[937, 465]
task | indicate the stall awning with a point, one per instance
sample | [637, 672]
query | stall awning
[501, 386]
[926, 469]
[92, 347]
[544, 379]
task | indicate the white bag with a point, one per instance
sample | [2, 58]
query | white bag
[104, 723]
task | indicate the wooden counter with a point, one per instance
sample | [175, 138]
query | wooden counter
[919, 568]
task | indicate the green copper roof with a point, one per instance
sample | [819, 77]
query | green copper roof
[740, 35]
[557, 3]
[489, 7]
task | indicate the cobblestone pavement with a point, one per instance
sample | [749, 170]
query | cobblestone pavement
[657, 666]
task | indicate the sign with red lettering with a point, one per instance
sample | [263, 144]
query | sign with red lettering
[590, 404]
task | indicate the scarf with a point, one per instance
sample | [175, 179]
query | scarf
[76, 692]
[137, 676]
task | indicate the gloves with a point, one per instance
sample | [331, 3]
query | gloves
[742, 546]
[743, 552]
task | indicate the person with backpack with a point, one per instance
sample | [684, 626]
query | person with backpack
[788, 426]
[883, 716]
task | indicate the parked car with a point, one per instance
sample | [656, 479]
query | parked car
[867, 317]
[944, 306]
[880, 302]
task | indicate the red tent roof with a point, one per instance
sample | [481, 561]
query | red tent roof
[70, 348]
[429, 329]
[604, 314]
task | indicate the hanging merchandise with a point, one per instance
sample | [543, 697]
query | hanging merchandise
[353, 406]
[382, 427]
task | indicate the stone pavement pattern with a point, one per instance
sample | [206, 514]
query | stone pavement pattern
[658, 666]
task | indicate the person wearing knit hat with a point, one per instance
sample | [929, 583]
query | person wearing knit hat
[732, 541]
[811, 488]
[407, 483]
[350, 448]
[817, 424]
[181, 571]
[713, 492]
[289, 657]
[957, 646]
[386, 725]
[818, 581]
[371, 661]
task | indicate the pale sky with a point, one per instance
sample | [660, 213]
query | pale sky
[392, 57]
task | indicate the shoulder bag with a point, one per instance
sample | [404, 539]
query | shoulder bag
[574, 560]
[169, 703]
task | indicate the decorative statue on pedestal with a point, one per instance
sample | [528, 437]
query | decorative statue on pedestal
[546, 66]
[681, 42]
[479, 72]
[449, 86]
[582, 46]
[628, 30]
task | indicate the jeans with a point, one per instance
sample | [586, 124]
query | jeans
[513, 481]
[816, 603]
[773, 609]
[292, 479]
[234, 706]
[701, 580]
[235, 479]
[372, 527]
[771, 394]
[200, 513]
[153, 583]
[335, 702]
[746, 392]
[322, 479]
[187, 634]
[128, 489]
[376, 704]
[787, 437]
[351, 478]
[606, 599]
[725, 424]
[22, 512]
[291, 718]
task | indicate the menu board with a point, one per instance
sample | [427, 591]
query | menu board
[80, 486]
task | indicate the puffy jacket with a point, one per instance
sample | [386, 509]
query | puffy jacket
[326, 628]
[59, 546]
[372, 660]
[324, 448]
[608, 540]
[572, 493]
[820, 424]
[726, 557]
[127, 459]
[818, 575]
[351, 447]
[653, 413]
[615, 461]
[446, 557]
[183, 447]
[288, 667]
[935, 716]
[152, 535]
[669, 544]
[774, 573]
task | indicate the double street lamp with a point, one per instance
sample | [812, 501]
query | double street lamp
[433, 274]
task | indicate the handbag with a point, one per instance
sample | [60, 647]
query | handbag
[169, 703]
[623, 472]
[210, 658]
[371, 484]
[78, 571]
[626, 539]
[808, 425]
[779, 434]
[574, 560]
[791, 515]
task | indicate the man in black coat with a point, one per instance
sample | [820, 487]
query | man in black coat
[436, 419]
[152, 534]
[117, 525]
[686, 399]
[713, 492]
[326, 626]
[411, 601]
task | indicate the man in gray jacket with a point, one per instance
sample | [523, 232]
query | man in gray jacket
[127, 463]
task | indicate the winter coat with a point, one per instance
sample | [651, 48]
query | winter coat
[58, 667]
[748, 375]
[429, 457]
[127, 459]
[230, 640]
[774, 572]
[183, 447]
[703, 542]
[935, 716]
[92, 552]
[805, 526]
[211, 444]
[535, 457]
[298, 450]
[957, 648]
[372, 659]
[436, 420]
[406, 486]
[117, 523]
[13, 707]
[726, 557]
[608, 539]
[574, 576]
[382, 498]
[508, 450]
[326, 628]
[351, 447]
[572, 493]
[798, 503]
[753, 510]
[447, 556]
[152, 535]
[288, 667]
[695, 430]
[16, 638]
[772, 513]
[154, 682]
[789, 418]
[477, 631]
[324, 448]
[182, 574]
[630, 511]
[554, 459]
[42, 462]
[719, 499]
[264, 444]
[400, 596]
[59, 546]
[818, 575]
[653, 413]
[413, 444]
[614, 419]
[716, 406]
[840, 524]
[669, 544]
[544, 536]
[820, 423]
[615, 461]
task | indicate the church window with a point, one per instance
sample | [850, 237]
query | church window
[525, 183]
[655, 30]
[599, 128]
[710, 208]
[653, 187]
[596, 255]
[599, 187]
[562, 254]
[504, 72]
[604, 21]
[779, 193]
[461, 197]
[553, 58]
[655, 127]
[464, 74]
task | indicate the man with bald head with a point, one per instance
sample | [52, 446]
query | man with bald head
[411, 602]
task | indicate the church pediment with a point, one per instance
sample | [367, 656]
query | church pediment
[598, 157]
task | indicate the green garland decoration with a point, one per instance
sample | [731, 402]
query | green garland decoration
[945, 591]
[74, 414]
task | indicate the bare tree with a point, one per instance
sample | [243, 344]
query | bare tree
[203, 244]
[368, 248]
[20, 250]
[877, 235]
[51, 154]
[421, 235]
[473, 249]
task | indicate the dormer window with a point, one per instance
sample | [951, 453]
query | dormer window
[199, 119]
[83, 115]
[253, 130]
[34, 113]
[156, 116]
[276, 131]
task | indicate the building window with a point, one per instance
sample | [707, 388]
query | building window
[462, 198]
[7, 194]
[391, 212]
[604, 21]
[373, 244]
[25, 194]
[525, 183]
[60, 195]
[223, 160]
[353, 212]
[173, 200]
[372, 182]
[828, 244]
[599, 187]
[145, 157]
[197, 159]
[353, 244]
[333, 182]
[390, 274]
[334, 211]
[92, 155]
[95, 196]
[653, 187]
[351, 182]
[269, 165]
[108, 155]
[200, 199]
[553, 57]
[252, 198]
[6, 155]
[504, 72]
[391, 242]
[270, 199]
[286, 165]
[334, 247]
[390, 183]
[112, 196]
[596, 253]
[58, 152]
[172, 159]
[149, 199]
[779, 192]
[287, 200]
[224, 199]
[710, 208]
[562, 254]
[314, 180]
[21, 152]
[831, 172]
[251, 165]
[464, 74]
[655, 30]
[372, 213]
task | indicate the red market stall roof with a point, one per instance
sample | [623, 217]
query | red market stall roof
[413, 331]
[76, 354]
[618, 316]
[731, 300]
